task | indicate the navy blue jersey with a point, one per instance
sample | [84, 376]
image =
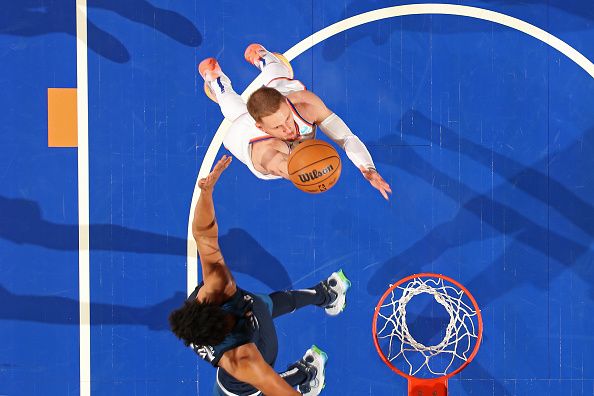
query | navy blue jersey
[253, 324]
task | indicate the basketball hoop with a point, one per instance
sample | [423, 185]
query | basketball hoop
[427, 367]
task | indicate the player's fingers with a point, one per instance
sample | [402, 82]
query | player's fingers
[384, 194]
[221, 163]
[383, 183]
[226, 162]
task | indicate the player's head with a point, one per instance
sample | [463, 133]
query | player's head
[272, 113]
[201, 323]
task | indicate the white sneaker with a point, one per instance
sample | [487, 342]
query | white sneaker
[211, 72]
[315, 358]
[338, 284]
[259, 56]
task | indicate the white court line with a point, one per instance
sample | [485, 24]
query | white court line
[357, 20]
[83, 198]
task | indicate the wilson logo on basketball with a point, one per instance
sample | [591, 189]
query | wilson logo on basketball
[314, 174]
[314, 166]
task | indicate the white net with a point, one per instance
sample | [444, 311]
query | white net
[401, 348]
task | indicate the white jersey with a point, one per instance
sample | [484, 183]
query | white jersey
[243, 131]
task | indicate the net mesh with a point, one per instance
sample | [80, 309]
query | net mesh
[400, 347]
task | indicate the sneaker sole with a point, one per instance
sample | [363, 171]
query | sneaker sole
[209, 93]
[324, 357]
[286, 62]
[320, 352]
[342, 277]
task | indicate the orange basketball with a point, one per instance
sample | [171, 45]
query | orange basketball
[314, 166]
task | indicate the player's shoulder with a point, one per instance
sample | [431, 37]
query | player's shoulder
[242, 353]
[307, 100]
[305, 97]
[310, 106]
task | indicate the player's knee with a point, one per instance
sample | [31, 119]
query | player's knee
[232, 106]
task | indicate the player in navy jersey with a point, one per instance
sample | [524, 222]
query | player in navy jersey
[233, 329]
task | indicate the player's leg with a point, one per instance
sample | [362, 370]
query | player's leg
[272, 65]
[307, 374]
[218, 88]
[329, 294]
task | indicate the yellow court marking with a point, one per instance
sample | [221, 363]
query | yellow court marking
[62, 130]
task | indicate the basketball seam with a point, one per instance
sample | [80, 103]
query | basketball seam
[303, 146]
[313, 163]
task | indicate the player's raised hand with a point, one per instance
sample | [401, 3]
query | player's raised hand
[376, 181]
[207, 183]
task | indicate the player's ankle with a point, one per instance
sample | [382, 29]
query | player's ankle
[327, 294]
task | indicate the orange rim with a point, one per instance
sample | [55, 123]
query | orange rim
[477, 345]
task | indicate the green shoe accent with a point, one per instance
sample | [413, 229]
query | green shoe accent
[343, 277]
[320, 352]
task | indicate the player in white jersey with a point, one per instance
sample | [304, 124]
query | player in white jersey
[277, 117]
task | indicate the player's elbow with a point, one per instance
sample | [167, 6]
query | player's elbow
[210, 231]
[351, 140]
[196, 235]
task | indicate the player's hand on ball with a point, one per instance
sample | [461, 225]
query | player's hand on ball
[376, 181]
[207, 183]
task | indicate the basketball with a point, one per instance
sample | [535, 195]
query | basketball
[314, 166]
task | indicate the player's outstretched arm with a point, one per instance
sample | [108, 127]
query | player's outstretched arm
[217, 277]
[336, 129]
[247, 365]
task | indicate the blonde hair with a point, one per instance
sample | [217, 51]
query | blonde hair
[264, 102]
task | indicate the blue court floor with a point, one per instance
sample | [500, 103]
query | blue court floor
[485, 134]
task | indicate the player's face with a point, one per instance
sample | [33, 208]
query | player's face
[280, 124]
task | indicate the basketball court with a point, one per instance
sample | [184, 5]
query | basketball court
[478, 114]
